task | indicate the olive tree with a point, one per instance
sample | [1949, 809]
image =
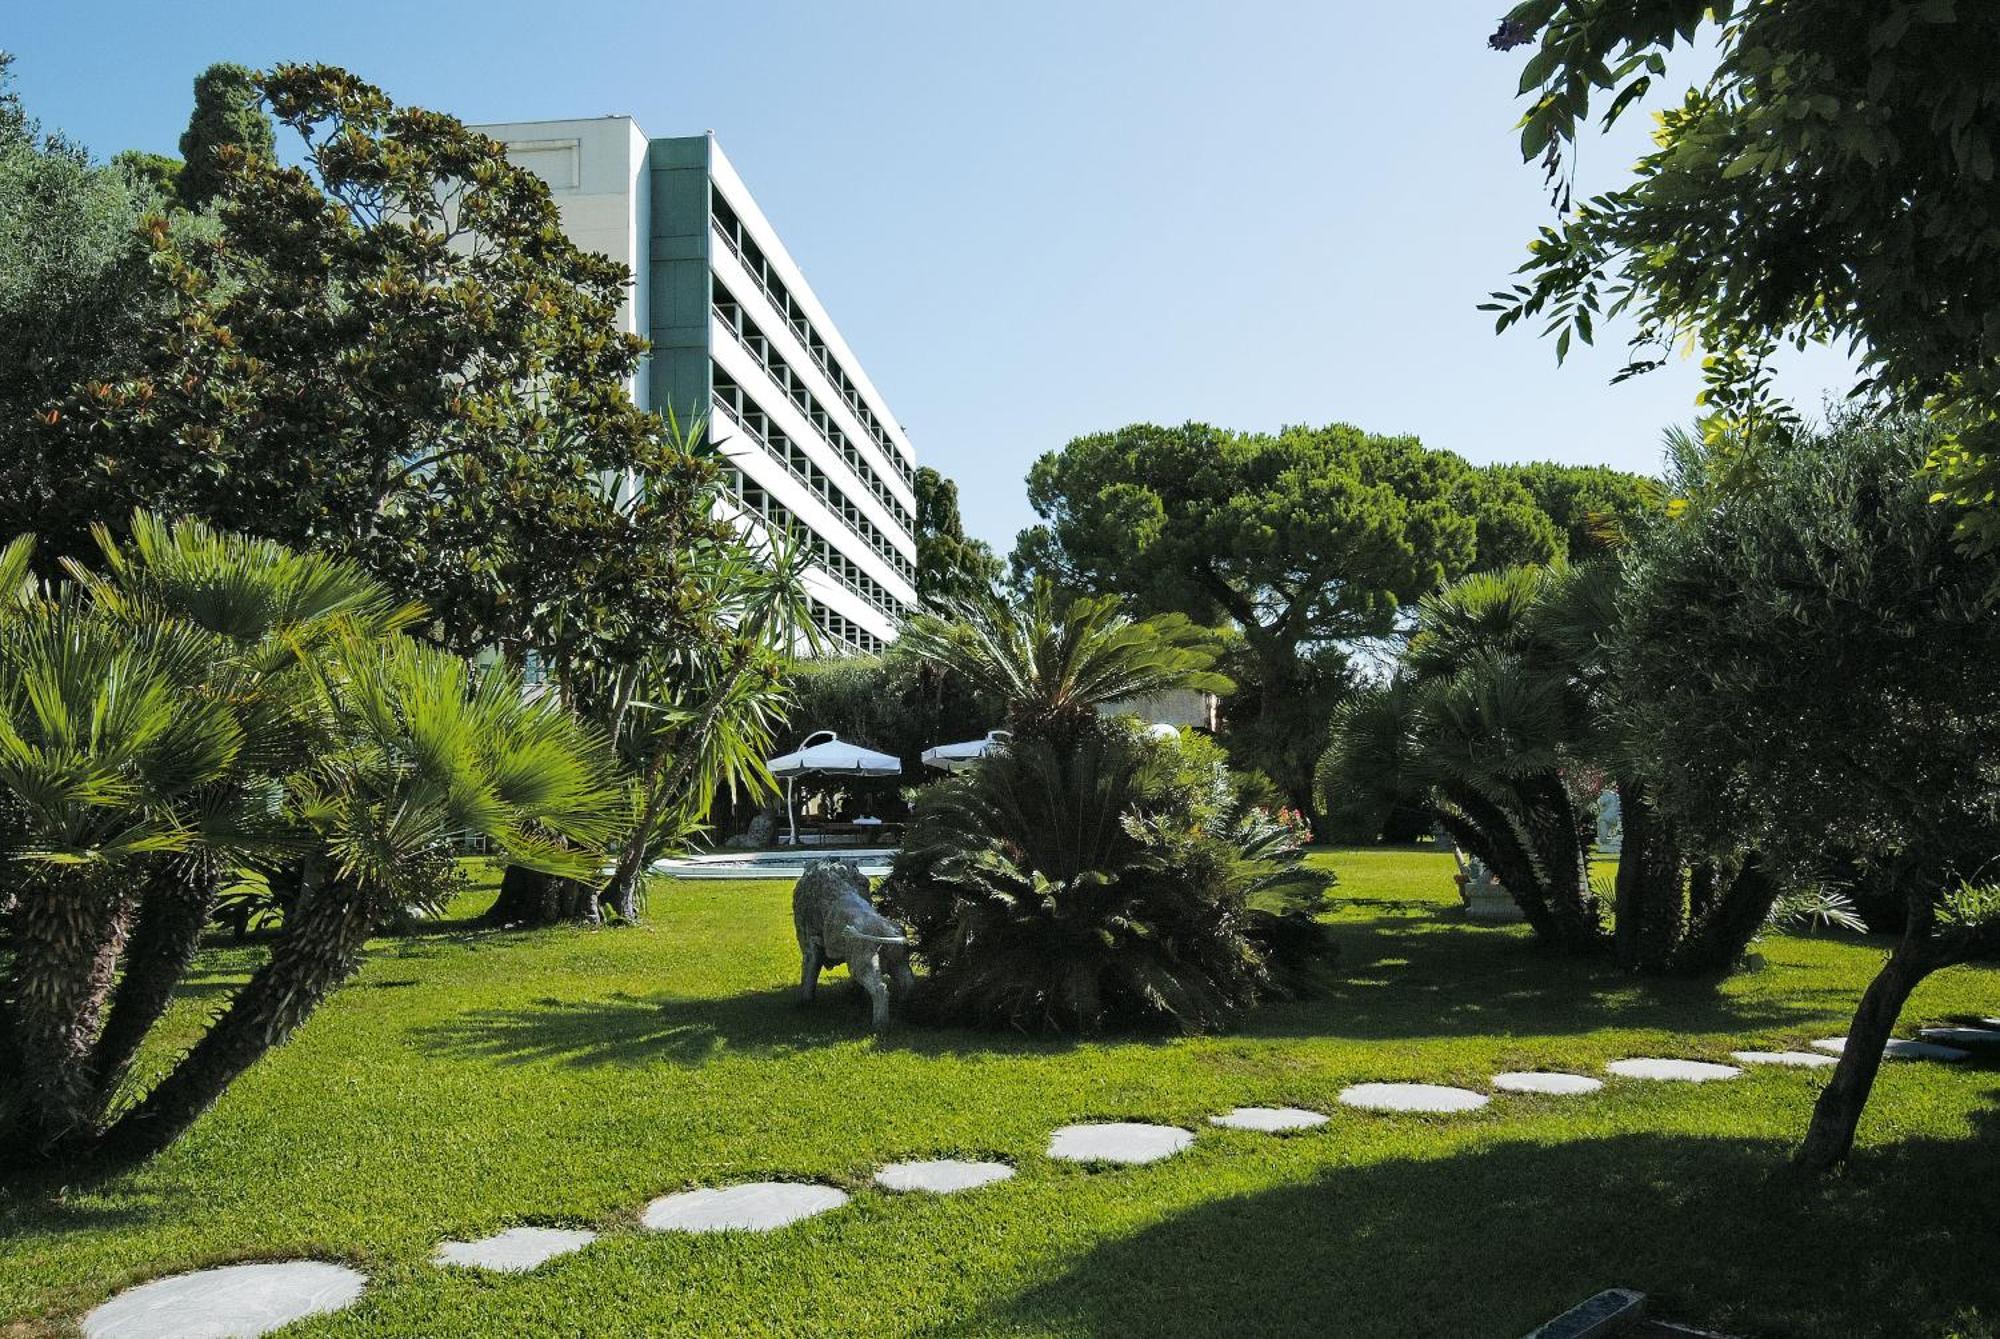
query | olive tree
[1810, 659]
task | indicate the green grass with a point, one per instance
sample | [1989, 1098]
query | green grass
[470, 1080]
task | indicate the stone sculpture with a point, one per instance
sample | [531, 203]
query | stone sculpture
[837, 923]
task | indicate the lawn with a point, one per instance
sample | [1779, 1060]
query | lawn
[469, 1080]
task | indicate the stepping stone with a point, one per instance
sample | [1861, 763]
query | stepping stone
[1271, 1120]
[234, 1302]
[1685, 1071]
[516, 1250]
[1898, 1049]
[1539, 1081]
[1126, 1142]
[1984, 1041]
[1411, 1097]
[755, 1206]
[941, 1176]
[1796, 1059]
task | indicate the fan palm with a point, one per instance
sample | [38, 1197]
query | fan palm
[206, 701]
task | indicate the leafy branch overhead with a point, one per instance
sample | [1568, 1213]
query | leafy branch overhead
[1831, 180]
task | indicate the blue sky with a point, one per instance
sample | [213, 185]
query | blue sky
[1031, 220]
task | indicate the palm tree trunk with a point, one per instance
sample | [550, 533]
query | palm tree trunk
[173, 911]
[318, 948]
[1651, 913]
[1487, 833]
[1553, 839]
[1730, 918]
[68, 928]
[662, 782]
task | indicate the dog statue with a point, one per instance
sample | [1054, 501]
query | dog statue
[837, 923]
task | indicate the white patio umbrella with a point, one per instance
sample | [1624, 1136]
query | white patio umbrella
[958, 757]
[824, 753]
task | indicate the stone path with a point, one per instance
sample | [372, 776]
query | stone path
[239, 1301]
[1411, 1097]
[226, 1303]
[1127, 1143]
[1899, 1049]
[754, 1206]
[1681, 1071]
[516, 1250]
[1538, 1081]
[941, 1176]
[1796, 1059]
[1270, 1120]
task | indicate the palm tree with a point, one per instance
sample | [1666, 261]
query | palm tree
[207, 702]
[1054, 664]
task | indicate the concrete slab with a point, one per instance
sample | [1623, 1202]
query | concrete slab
[1796, 1059]
[1675, 1071]
[514, 1251]
[1122, 1142]
[1899, 1049]
[1411, 1097]
[233, 1302]
[1546, 1081]
[1270, 1120]
[1975, 1040]
[755, 1206]
[941, 1176]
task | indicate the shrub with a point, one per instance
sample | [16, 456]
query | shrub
[1118, 882]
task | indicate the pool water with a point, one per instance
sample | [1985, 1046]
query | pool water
[874, 862]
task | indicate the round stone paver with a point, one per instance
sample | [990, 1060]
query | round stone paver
[1270, 1120]
[1682, 1071]
[516, 1250]
[1976, 1040]
[1796, 1059]
[1545, 1081]
[941, 1176]
[1127, 1142]
[1898, 1049]
[755, 1206]
[1411, 1097]
[234, 1302]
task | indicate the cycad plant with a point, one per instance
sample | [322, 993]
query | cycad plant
[205, 705]
[1054, 663]
[1087, 876]
[1506, 691]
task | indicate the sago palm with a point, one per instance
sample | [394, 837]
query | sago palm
[1054, 664]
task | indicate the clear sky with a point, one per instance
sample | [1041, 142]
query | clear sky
[1030, 220]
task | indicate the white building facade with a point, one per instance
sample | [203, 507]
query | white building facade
[740, 343]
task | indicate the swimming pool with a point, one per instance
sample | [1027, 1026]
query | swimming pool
[874, 862]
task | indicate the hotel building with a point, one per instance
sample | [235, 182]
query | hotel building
[740, 342]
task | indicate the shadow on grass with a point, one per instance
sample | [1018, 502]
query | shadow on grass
[1394, 978]
[643, 1030]
[1496, 1240]
[1398, 977]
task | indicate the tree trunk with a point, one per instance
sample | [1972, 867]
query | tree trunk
[172, 914]
[1485, 831]
[1650, 902]
[68, 928]
[1731, 918]
[531, 899]
[319, 947]
[1838, 1111]
[1554, 841]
